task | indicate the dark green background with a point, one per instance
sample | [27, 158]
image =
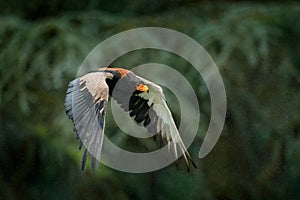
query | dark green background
[255, 46]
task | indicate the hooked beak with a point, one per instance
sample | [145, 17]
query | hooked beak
[142, 88]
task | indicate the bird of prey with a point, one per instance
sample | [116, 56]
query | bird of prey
[86, 102]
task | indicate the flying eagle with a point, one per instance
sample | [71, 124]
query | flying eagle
[87, 98]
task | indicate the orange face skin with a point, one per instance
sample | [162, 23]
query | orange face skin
[142, 88]
[123, 72]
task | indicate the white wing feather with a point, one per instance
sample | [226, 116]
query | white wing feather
[165, 125]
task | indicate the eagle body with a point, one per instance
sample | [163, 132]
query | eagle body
[86, 101]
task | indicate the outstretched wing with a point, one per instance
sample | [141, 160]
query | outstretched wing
[85, 105]
[162, 122]
[152, 111]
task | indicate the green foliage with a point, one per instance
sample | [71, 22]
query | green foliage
[256, 49]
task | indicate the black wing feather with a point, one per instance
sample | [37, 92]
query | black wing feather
[139, 108]
[126, 95]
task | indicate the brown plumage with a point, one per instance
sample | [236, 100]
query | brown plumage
[86, 102]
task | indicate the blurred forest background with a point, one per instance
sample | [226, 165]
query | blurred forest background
[255, 45]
